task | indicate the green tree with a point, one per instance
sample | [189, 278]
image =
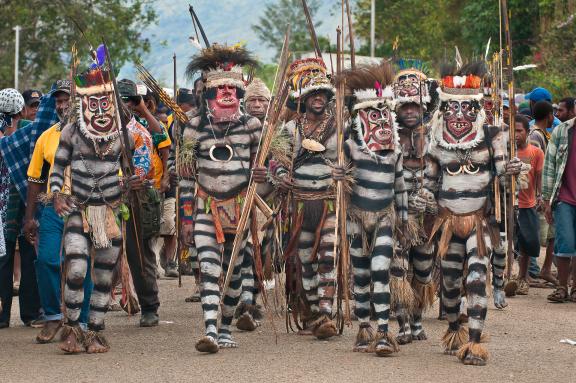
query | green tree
[422, 29]
[48, 34]
[272, 26]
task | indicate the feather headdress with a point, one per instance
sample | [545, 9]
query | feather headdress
[221, 65]
[464, 83]
[308, 75]
[369, 85]
[410, 83]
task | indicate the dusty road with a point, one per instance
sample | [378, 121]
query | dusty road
[524, 346]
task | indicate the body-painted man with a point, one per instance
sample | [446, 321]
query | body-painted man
[249, 313]
[218, 148]
[378, 200]
[411, 93]
[465, 155]
[306, 174]
[91, 145]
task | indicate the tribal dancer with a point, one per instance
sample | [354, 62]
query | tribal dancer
[306, 173]
[378, 201]
[218, 147]
[91, 146]
[248, 312]
[465, 155]
[412, 98]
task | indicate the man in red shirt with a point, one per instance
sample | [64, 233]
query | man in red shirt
[529, 198]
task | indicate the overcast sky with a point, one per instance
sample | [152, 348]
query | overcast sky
[225, 21]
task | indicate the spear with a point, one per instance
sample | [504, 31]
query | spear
[511, 130]
[196, 21]
[280, 91]
[126, 154]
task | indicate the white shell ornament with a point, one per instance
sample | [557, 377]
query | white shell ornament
[221, 153]
[312, 145]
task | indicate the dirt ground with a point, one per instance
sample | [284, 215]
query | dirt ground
[524, 346]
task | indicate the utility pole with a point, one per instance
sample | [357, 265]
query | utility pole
[372, 26]
[17, 29]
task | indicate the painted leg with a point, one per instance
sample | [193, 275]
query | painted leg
[247, 314]
[76, 247]
[423, 286]
[452, 269]
[209, 259]
[473, 352]
[309, 269]
[498, 265]
[326, 279]
[230, 300]
[104, 263]
[361, 286]
[384, 343]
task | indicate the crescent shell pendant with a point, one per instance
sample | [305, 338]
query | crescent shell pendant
[228, 147]
[312, 145]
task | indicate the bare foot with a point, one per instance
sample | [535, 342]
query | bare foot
[326, 330]
[72, 340]
[49, 331]
[548, 277]
[419, 336]
[96, 343]
[207, 344]
[226, 341]
[404, 338]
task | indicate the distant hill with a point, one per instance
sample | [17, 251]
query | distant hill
[225, 21]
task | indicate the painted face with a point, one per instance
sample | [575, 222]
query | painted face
[226, 105]
[488, 106]
[459, 118]
[410, 85]
[98, 112]
[377, 128]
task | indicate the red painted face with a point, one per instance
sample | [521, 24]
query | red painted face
[226, 105]
[377, 128]
[98, 112]
[459, 118]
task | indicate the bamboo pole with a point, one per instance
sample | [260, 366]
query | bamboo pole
[512, 136]
[271, 120]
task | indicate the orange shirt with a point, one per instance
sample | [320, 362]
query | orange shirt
[535, 157]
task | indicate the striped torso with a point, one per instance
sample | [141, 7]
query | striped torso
[95, 179]
[374, 178]
[315, 174]
[222, 180]
[465, 193]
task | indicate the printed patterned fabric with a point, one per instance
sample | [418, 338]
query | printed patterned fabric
[17, 148]
[143, 149]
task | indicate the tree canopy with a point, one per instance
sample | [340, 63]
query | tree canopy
[272, 26]
[48, 34]
[541, 33]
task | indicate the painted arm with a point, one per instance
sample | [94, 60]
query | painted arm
[62, 159]
[400, 193]
[187, 180]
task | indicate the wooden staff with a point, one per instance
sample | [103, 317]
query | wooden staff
[351, 36]
[176, 137]
[128, 168]
[341, 237]
[311, 29]
[275, 108]
[512, 135]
